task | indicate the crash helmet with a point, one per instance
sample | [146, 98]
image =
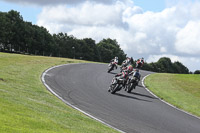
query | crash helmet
[130, 68]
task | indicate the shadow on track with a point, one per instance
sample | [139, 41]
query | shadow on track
[138, 94]
[112, 73]
[126, 96]
[140, 86]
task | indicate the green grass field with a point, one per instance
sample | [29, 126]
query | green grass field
[180, 90]
[26, 106]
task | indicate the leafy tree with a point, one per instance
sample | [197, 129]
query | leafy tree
[197, 72]
[5, 30]
[164, 64]
[153, 67]
[180, 68]
[28, 36]
[93, 53]
[108, 49]
[146, 66]
[16, 29]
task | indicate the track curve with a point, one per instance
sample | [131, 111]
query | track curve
[85, 87]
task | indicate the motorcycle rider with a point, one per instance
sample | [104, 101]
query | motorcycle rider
[115, 60]
[126, 63]
[124, 75]
[140, 62]
[137, 74]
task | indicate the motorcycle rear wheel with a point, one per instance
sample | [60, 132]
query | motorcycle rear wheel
[114, 88]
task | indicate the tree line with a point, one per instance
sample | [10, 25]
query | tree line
[16, 35]
[19, 36]
[165, 65]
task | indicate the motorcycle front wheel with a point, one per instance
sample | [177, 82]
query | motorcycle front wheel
[130, 87]
[114, 88]
[110, 69]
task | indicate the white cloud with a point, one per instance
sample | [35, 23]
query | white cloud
[85, 15]
[55, 2]
[188, 39]
[163, 50]
[173, 31]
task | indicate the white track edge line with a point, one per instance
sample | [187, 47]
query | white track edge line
[93, 117]
[165, 101]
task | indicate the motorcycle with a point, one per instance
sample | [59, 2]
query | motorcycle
[116, 85]
[138, 65]
[111, 66]
[133, 81]
[118, 82]
[126, 63]
[122, 67]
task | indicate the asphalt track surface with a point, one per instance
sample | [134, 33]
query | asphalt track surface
[85, 86]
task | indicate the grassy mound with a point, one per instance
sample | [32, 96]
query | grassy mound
[27, 106]
[181, 90]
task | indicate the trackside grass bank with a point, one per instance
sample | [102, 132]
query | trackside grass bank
[27, 106]
[180, 90]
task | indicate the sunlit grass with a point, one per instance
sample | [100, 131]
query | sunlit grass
[27, 106]
[181, 90]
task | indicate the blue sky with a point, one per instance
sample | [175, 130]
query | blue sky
[144, 28]
[29, 13]
[151, 5]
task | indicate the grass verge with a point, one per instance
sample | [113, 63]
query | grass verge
[27, 106]
[180, 90]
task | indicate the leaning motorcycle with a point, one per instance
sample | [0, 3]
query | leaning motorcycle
[116, 85]
[118, 82]
[111, 66]
[132, 82]
[123, 66]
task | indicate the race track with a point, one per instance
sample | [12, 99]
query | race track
[85, 86]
